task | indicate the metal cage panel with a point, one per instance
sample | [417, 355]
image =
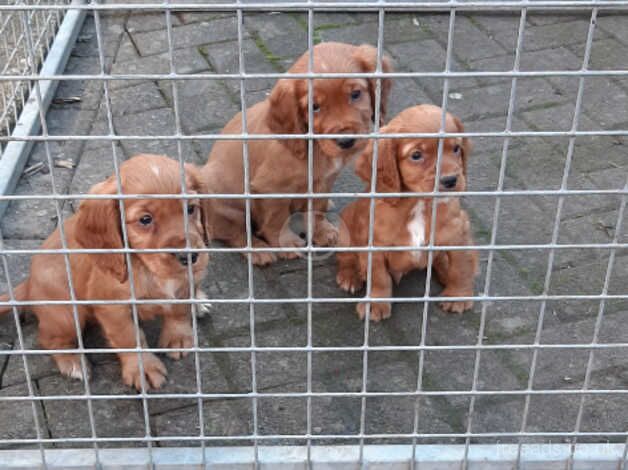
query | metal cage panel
[281, 374]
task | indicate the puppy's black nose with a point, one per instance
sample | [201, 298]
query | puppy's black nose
[449, 182]
[345, 143]
[183, 258]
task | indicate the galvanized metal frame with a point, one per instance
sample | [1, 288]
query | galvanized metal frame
[362, 455]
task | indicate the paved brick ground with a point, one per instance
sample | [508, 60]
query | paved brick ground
[205, 42]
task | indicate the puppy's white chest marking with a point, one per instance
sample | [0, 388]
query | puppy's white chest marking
[416, 228]
[170, 288]
[155, 169]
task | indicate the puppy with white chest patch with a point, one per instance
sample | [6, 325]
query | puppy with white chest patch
[409, 165]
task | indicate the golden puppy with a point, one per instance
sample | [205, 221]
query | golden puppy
[340, 105]
[409, 164]
[150, 223]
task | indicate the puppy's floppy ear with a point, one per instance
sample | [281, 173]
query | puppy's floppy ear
[388, 178]
[193, 180]
[286, 116]
[98, 226]
[366, 56]
[467, 145]
[194, 183]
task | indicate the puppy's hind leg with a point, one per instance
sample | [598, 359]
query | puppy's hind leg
[58, 331]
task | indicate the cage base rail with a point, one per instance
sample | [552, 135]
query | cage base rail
[16, 153]
[345, 457]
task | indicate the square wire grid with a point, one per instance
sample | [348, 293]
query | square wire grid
[484, 297]
[15, 51]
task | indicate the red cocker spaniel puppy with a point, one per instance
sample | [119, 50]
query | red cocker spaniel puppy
[150, 223]
[409, 164]
[340, 106]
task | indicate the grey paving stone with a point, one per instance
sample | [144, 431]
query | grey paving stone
[232, 417]
[95, 166]
[273, 24]
[469, 42]
[587, 279]
[127, 50]
[153, 122]
[21, 415]
[495, 22]
[582, 205]
[187, 17]
[112, 418]
[614, 24]
[186, 61]
[426, 55]
[539, 18]
[397, 28]
[549, 35]
[18, 264]
[37, 218]
[548, 413]
[111, 30]
[611, 147]
[282, 415]
[195, 34]
[202, 103]
[600, 415]
[336, 415]
[89, 92]
[289, 368]
[497, 414]
[475, 106]
[405, 93]
[136, 99]
[603, 100]
[141, 22]
[40, 365]
[224, 59]
[606, 54]
[535, 163]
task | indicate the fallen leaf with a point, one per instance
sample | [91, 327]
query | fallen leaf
[60, 163]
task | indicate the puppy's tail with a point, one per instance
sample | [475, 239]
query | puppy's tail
[20, 292]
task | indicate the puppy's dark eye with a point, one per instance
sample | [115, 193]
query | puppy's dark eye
[416, 156]
[316, 107]
[355, 95]
[191, 209]
[457, 149]
[146, 219]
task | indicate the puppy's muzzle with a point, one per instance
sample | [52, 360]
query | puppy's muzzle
[345, 143]
[448, 182]
[183, 258]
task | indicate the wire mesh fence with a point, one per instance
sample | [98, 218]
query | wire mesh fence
[281, 359]
[16, 52]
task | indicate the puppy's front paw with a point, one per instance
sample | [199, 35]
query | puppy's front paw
[262, 259]
[379, 311]
[176, 335]
[70, 365]
[349, 280]
[201, 309]
[458, 306]
[326, 234]
[154, 371]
